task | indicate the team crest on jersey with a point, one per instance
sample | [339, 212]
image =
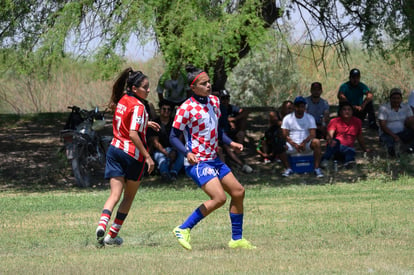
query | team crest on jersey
[139, 120]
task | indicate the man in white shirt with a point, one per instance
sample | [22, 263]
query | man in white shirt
[396, 122]
[299, 130]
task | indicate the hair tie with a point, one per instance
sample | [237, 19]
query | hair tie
[196, 78]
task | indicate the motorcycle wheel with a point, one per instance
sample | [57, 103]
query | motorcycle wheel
[80, 166]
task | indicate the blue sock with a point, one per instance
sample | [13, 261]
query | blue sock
[193, 219]
[236, 226]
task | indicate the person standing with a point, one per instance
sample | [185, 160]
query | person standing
[172, 88]
[359, 96]
[128, 153]
[318, 108]
[198, 118]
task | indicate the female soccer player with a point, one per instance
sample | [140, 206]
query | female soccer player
[198, 118]
[128, 153]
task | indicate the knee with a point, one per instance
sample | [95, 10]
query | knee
[220, 200]
[239, 193]
[316, 143]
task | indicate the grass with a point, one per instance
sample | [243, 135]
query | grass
[318, 229]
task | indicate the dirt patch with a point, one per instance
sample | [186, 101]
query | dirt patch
[31, 158]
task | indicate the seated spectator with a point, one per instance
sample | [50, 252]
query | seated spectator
[272, 144]
[233, 121]
[233, 118]
[318, 108]
[299, 130]
[360, 97]
[396, 122]
[342, 132]
[411, 100]
[169, 161]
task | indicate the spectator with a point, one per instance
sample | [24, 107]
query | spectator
[411, 100]
[233, 121]
[272, 144]
[172, 88]
[169, 161]
[360, 97]
[318, 108]
[299, 130]
[342, 132]
[396, 122]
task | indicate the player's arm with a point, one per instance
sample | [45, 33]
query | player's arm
[141, 148]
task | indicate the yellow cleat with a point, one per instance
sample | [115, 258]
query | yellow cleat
[183, 237]
[241, 243]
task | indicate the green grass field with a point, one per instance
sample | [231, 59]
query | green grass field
[360, 228]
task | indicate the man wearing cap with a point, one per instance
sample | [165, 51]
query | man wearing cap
[360, 97]
[299, 130]
[396, 122]
[318, 108]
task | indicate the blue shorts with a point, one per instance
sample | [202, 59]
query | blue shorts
[205, 171]
[120, 164]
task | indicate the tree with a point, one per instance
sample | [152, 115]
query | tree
[213, 34]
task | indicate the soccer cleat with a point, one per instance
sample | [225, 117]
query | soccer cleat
[183, 237]
[241, 243]
[100, 233]
[318, 173]
[113, 241]
[287, 172]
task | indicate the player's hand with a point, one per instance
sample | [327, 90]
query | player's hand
[192, 158]
[155, 126]
[150, 163]
[237, 147]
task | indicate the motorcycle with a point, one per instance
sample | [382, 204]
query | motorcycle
[84, 146]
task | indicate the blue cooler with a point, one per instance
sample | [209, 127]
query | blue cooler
[301, 163]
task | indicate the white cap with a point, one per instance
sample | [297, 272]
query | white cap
[411, 99]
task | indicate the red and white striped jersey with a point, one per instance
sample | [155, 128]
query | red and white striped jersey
[130, 114]
[199, 122]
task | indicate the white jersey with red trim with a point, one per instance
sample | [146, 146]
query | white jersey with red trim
[130, 114]
[199, 122]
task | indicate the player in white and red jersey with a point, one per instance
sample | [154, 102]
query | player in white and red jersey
[128, 154]
[197, 118]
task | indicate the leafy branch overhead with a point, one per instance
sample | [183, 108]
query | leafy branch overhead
[213, 34]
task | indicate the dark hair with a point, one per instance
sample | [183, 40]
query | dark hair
[342, 105]
[126, 79]
[163, 103]
[192, 73]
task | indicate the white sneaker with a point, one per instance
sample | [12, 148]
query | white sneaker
[318, 173]
[287, 172]
[246, 168]
[100, 233]
[113, 241]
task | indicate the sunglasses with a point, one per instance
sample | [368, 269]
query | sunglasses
[166, 109]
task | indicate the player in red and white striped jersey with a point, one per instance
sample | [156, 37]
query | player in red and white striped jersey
[128, 153]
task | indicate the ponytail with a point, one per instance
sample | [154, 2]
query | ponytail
[126, 79]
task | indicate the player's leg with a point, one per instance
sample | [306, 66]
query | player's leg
[236, 211]
[117, 184]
